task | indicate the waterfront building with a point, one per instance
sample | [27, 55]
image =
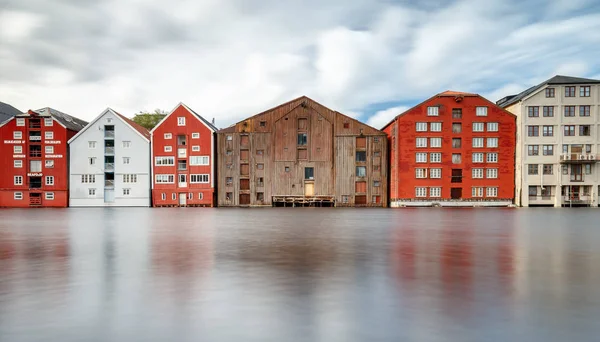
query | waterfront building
[301, 153]
[33, 154]
[183, 165]
[7, 111]
[110, 163]
[453, 149]
[557, 142]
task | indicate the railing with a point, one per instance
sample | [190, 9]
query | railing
[578, 199]
[578, 157]
[109, 150]
[109, 134]
[109, 182]
[541, 198]
[35, 138]
[35, 153]
[109, 166]
[456, 179]
[576, 178]
[35, 124]
[181, 153]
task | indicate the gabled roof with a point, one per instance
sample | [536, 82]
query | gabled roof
[556, 80]
[68, 121]
[139, 129]
[7, 111]
[181, 104]
[455, 93]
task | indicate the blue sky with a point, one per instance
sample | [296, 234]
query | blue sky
[230, 59]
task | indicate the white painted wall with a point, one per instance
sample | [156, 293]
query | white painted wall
[139, 154]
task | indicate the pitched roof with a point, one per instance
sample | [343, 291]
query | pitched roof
[181, 104]
[7, 111]
[556, 80]
[70, 122]
[143, 131]
[455, 93]
[209, 124]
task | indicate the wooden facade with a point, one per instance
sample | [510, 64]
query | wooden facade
[301, 154]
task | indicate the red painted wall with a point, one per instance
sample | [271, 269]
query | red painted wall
[193, 125]
[403, 148]
[59, 171]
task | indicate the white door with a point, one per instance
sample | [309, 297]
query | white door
[182, 181]
[182, 199]
[109, 195]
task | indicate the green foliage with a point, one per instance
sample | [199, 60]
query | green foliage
[149, 120]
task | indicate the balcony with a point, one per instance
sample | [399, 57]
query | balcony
[109, 183]
[35, 137]
[109, 134]
[109, 150]
[181, 153]
[109, 167]
[35, 123]
[578, 158]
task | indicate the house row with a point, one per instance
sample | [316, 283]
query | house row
[539, 147]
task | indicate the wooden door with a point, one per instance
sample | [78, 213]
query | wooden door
[244, 199]
[456, 193]
[309, 189]
[182, 199]
[360, 200]
[576, 173]
[576, 151]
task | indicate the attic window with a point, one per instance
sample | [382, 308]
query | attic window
[229, 138]
[20, 122]
[263, 124]
[109, 120]
[346, 125]
[48, 122]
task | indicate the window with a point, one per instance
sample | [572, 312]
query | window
[492, 157]
[49, 149]
[565, 169]
[92, 160]
[361, 156]
[126, 144]
[477, 142]
[181, 121]
[49, 195]
[195, 135]
[18, 163]
[584, 110]
[182, 165]
[477, 192]
[126, 192]
[18, 195]
[166, 179]
[456, 143]
[492, 142]
[569, 91]
[346, 125]
[569, 111]
[287, 169]
[126, 160]
[481, 111]
[345, 199]
[588, 169]
[533, 111]
[477, 126]
[196, 148]
[17, 149]
[420, 173]
[20, 122]
[260, 166]
[477, 173]
[435, 192]
[302, 139]
[435, 126]
[376, 183]
[491, 173]
[88, 179]
[584, 91]
[129, 178]
[91, 144]
[163, 196]
[260, 152]
[49, 180]
[173, 196]
[548, 169]
[532, 169]
[492, 127]
[435, 173]
[456, 158]
[375, 139]
[548, 131]
[548, 111]
[588, 148]
[421, 142]
[48, 122]
[377, 154]
[91, 192]
[533, 190]
[565, 148]
[456, 128]
[433, 111]
[457, 113]
[18, 180]
[49, 164]
[200, 196]
[168, 136]
[477, 158]
[548, 150]
[229, 138]
[199, 160]
[35, 166]
[435, 142]
[491, 192]
[48, 135]
[569, 130]
[168, 148]
[421, 192]
[533, 131]
[361, 171]
[435, 157]
[584, 130]
[533, 150]
[164, 161]
[549, 92]
[203, 178]
[421, 157]
[17, 135]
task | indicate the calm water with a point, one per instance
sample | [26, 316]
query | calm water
[303, 274]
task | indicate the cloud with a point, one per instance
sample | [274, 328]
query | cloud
[230, 59]
[383, 117]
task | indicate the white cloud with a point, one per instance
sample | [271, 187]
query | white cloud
[383, 117]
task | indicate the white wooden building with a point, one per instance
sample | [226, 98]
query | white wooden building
[110, 163]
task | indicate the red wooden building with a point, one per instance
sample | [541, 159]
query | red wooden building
[33, 154]
[183, 165]
[454, 149]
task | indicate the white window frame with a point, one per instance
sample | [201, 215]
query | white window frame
[196, 135]
[18, 163]
[91, 145]
[126, 144]
[181, 121]
[477, 143]
[478, 127]
[421, 142]
[20, 122]
[126, 160]
[17, 149]
[164, 161]
[48, 135]
[35, 166]
[173, 196]
[18, 195]
[18, 180]
[492, 127]
[164, 179]
[17, 135]
[481, 111]
[199, 160]
[435, 142]
[92, 160]
[435, 192]
[49, 180]
[435, 126]
[200, 195]
[49, 196]
[435, 157]
[195, 148]
[88, 179]
[91, 192]
[126, 191]
[435, 173]
[48, 149]
[491, 191]
[168, 148]
[163, 196]
[421, 127]
[492, 142]
[420, 192]
[129, 178]
[49, 164]
[477, 157]
[477, 192]
[420, 172]
[491, 157]
[477, 173]
[168, 136]
[48, 122]
[421, 157]
[199, 179]
[491, 173]
[433, 111]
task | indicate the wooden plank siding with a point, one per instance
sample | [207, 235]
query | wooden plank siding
[271, 147]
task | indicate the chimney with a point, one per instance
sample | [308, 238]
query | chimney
[213, 121]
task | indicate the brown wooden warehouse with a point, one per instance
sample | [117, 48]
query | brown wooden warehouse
[302, 153]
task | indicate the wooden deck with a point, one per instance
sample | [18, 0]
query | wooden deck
[302, 201]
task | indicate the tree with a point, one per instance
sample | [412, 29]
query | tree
[149, 120]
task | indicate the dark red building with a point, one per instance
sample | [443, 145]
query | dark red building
[33, 154]
[454, 149]
[183, 165]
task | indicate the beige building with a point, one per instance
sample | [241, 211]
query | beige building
[558, 142]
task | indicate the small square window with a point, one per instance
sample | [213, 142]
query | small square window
[481, 111]
[20, 122]
[361, 171]
[433, 111]
[48, 135]
[91, 144]
[49, 164]
[228, 196]
[287, 169]
[18, 163]
[18, 195]
[48, 122]
[17, 135]
[229, 138]
[92, 192]
[346, 125]
[376, 183]
[260, 166]
[195, 135]
[17, 149]
[181, 121]
[49, 195]
[168, 136]
[260, 152]
[49, 149]
[229, 181]
[126, 160]
[195, 148]
[126, 192]
[126, 144]
[263, 124]
[549, 92]
[168, 148]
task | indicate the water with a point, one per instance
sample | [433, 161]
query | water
[300, 274]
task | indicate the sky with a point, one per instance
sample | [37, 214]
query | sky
[230, 59]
